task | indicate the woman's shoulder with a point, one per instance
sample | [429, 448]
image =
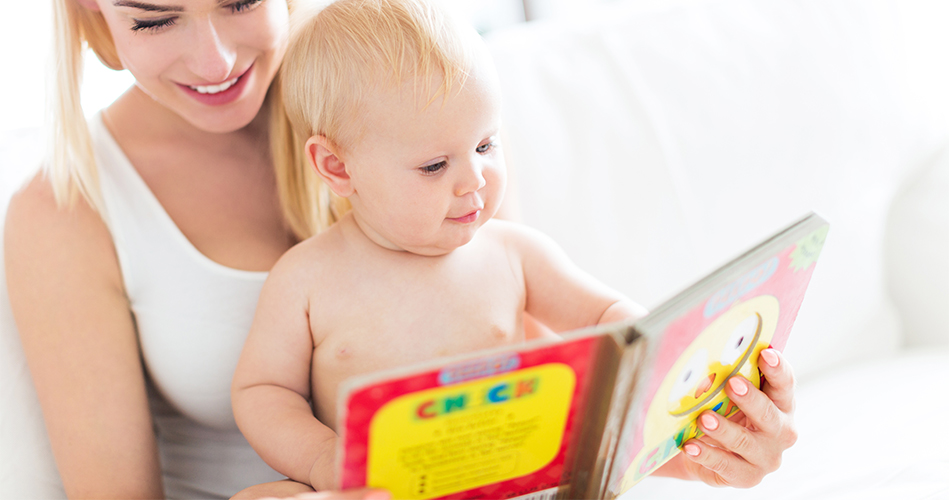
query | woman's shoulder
[38, 229]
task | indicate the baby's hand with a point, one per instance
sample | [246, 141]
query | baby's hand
[741, 450]
[287, 489]
[360, 494]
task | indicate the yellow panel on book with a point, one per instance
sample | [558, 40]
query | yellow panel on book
[451, 439]
[586, 416]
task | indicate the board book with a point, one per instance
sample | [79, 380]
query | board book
[585, 416]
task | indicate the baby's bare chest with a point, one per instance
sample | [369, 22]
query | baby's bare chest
[404, 318]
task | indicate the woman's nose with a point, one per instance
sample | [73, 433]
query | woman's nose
[213, 57]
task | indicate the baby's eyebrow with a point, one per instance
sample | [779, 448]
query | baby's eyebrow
[148, 6]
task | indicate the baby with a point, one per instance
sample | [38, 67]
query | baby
[403, 114]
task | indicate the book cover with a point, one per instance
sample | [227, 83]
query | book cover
[499, 425]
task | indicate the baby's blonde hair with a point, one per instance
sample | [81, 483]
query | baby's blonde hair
[352, 48]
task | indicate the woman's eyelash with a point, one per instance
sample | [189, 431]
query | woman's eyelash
[153, 25]
[243, 5]
[236, 7]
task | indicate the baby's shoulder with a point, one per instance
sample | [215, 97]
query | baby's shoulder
[514, 234]
[312, 257]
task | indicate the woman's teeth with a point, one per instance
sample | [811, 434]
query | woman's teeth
[214, 89]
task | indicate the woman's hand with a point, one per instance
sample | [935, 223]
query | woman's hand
[741, 450]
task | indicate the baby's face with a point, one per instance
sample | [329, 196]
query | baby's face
[426, 178]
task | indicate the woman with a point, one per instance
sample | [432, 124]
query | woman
[135, 260]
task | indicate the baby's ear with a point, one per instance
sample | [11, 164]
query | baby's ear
[323, 157]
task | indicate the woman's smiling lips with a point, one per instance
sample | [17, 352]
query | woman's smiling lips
[469, 217]
[221, 93]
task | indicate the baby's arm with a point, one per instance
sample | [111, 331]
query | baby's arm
[560, 294]
[271, 389]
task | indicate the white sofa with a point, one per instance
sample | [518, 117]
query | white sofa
[654, 140]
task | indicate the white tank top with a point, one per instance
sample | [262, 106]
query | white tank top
[192, 316]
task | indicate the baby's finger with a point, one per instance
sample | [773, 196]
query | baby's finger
[720, 467]
[779, 379]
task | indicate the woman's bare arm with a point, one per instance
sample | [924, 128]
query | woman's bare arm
[79, 337]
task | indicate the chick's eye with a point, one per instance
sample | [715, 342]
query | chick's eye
[243, 5]
[434, 168]
[484, 148]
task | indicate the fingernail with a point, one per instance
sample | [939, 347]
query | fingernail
[738, 386]
[770, 357]
[709, 422]
[692, 450]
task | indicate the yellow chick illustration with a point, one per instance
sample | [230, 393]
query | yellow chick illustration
[727, 347]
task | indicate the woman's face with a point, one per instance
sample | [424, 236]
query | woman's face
[209, 61]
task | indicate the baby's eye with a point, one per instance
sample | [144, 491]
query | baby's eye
[484, 148]
[434, 168]
[152, 25]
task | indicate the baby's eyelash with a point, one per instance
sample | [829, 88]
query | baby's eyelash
[434, 168]
[484, 148]
[155, 25]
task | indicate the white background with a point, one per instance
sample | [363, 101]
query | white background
[25, 38]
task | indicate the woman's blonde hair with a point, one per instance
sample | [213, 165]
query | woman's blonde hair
[72, 166]
[339, 55]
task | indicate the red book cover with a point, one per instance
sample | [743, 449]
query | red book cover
[495, 426]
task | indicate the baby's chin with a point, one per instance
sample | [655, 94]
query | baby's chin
[433, 250]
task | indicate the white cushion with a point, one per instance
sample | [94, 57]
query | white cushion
[917, 253]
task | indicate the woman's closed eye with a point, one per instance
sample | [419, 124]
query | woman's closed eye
[152, 24]
[155, 25]
[244, 5]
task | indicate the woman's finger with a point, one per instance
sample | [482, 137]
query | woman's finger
[779, 379]
[719, 467]
[739, 440]
[762, 413]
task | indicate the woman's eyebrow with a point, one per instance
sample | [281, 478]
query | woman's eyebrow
[148, 6]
